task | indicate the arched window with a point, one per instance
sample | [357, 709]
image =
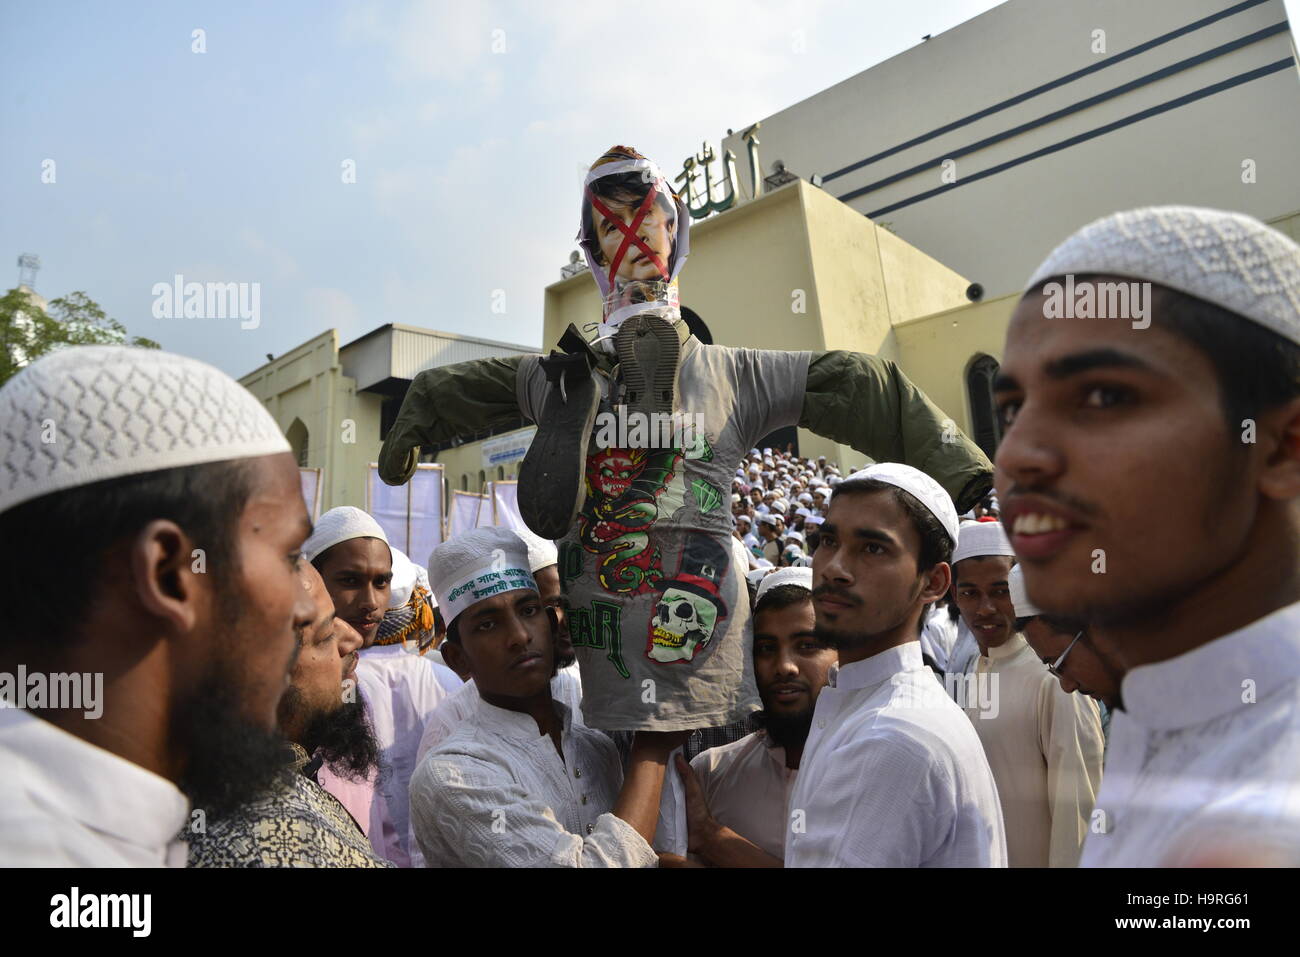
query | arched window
[482, 481]
[983, 414]
[298, 441]
[464, 481]
[501, 473]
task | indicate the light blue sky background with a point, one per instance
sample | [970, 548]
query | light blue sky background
[225, 166]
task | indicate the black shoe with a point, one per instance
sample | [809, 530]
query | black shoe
[648, 354]
[551, 478]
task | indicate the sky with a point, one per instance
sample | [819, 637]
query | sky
[469, 126]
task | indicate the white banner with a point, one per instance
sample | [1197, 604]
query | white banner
[507, 448]
[311, 483]
[410, 514]
[505, 504]
[468, 511]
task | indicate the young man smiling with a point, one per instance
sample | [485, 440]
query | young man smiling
[1151, 481]
[519, 783]
[892, 773]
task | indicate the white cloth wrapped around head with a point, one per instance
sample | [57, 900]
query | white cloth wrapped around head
[480, 564]
[794, 575]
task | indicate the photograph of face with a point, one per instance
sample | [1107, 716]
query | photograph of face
[657, 230]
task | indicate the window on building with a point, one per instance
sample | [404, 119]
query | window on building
[298, 441]
[464, 481]
[983, 414]
[501, 473]
[482, 481]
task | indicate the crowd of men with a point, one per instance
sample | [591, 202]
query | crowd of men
[1097, 665]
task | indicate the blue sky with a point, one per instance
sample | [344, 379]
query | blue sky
[226, 165]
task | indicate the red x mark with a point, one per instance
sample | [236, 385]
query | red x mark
[629, 232]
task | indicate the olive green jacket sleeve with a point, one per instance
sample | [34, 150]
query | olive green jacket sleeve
[867, 402]
[447, 402]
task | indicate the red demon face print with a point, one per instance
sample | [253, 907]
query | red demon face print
[611, 471]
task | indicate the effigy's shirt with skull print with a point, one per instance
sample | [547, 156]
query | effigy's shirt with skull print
[659, 614]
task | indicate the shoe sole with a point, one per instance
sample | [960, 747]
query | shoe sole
[649, 353]
[557, 460]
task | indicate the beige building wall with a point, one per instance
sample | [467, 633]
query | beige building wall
[306, 385]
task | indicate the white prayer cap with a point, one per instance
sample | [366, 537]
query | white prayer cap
[542, 553]
[1229, 259]
[768, 518]
[797, 536]
[406, 575]
[735, 498]
[814, 520]
[977, 539]
[805, 497]
[1024, 608]
[781, 505]
[923, 488]
[90, 413]
[802, 511]
[756, 576]
[340, 525]
[480, 564]
[794, 575]
[742, 517]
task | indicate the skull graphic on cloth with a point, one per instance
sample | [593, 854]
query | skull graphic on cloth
[690, 607]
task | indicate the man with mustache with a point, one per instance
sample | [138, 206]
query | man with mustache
[520, 783]
[298, 823]
[152, 523]
[400, 690]
[737, 795]
[1043, 744]
[1149, 475]
[893, 774]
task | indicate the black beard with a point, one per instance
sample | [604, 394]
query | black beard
[788, 730]
[231, 760]
[342, 738]
[840, 640]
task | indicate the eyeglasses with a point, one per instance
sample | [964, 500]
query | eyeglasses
[1056, 666]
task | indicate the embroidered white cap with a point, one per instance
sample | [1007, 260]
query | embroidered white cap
[978, 539]
[794, 575]
[1024, 608]
[477, 565]
[85, 414]
[339, 525]
[1229, 259]
[925, 489]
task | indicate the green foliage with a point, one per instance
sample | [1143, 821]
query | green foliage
[28, 332]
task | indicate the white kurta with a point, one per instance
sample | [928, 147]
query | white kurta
[496, 794]
[401, 691]
[66, 803]
[747, 787]
[1204, 763]
[893, 775]
[1045, 748]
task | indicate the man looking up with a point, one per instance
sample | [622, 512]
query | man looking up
[1043, 744]
[298, 823]
[1150, 476]
[163, 504]
[519, 783]
[892, 773]
[738, 795]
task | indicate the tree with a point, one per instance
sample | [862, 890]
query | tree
[29, 328]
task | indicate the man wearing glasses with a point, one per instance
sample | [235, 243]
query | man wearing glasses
[1063, 645]
[1044, 744]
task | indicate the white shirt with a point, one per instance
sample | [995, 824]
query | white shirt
[401, 690]
[747, 787]
[938, 635]
[1204, 763]
[893, 775]
[496, 794]
[1044, 747]
[66, 803]
[566, 687]
[963, 654]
